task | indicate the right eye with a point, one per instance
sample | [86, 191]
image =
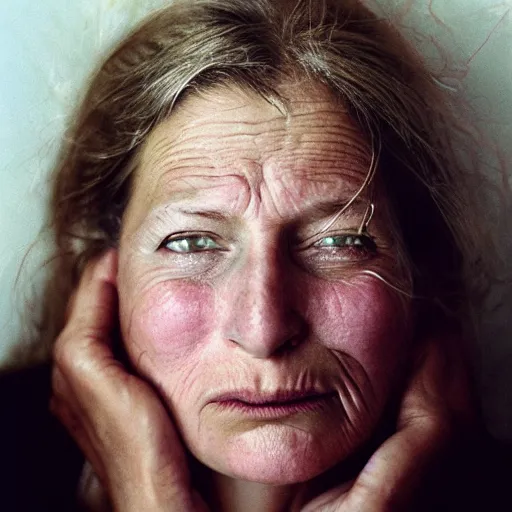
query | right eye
[191, 243]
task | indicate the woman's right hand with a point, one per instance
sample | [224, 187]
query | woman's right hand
[115, 417]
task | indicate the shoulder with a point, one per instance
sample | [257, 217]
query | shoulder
[40, 463]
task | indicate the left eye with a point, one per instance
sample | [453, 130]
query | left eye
[187, 244]
[349, 240]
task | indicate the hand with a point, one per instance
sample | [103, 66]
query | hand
[436, 409]
[116, 418]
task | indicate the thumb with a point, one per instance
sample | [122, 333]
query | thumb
[395, 471]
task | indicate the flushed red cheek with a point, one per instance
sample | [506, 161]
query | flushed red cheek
[172, 319]
[364, 319]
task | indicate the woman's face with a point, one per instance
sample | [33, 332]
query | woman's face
[244, 296]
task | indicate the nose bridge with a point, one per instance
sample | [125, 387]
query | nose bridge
[262, 318]
[265, 283]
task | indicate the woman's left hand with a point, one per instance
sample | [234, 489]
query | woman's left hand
[436, 409]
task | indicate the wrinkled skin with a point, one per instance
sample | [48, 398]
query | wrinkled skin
[269, 304]
[131, 443]
[272, 298]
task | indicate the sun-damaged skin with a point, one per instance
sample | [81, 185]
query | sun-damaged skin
[129, 439]
[246, 317]
[235, 285]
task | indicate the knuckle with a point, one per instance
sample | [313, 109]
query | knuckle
[72, 340]
[61, 350]
[72, 354]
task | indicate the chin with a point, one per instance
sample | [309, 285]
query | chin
[278, 474]
[276, 455]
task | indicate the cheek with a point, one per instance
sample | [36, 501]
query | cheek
[365, 320]
[171, 319]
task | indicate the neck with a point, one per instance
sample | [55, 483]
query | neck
[233, 495]
[226, 494]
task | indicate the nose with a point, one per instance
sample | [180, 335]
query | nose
[261, 318]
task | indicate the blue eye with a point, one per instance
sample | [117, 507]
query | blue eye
[358, 242]
[188, 244]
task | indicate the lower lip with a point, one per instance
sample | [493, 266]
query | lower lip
[277, 410]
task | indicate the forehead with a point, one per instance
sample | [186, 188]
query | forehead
[230, 146]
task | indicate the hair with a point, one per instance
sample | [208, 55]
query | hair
[191, 45]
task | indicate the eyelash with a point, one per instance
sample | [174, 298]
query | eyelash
[184, 237]
[359, 242]
[360, 245]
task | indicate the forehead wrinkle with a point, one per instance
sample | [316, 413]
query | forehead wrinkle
[328, 132]
[242, 126]
[340, 176]
[323, 194]
[309, 214]
[178, 188]
[282, 123]
[165, 148]
[321, 182]
[321, 144]
[314, 163]
[311, 162]
[320, 198]
[155, 152]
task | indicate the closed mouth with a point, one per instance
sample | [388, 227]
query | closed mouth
[276, 404]
[274, 398]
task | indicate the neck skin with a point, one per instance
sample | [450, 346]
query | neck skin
[226, 494]
[232, 495]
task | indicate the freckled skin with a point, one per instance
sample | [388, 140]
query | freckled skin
[219, 321]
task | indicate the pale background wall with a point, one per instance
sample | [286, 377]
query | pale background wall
[48, 48]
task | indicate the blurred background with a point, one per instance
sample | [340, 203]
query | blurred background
[48, 49]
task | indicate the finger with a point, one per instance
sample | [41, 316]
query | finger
[393, 474]
[388, 481]
[83, 356]
[85, 341]
[440, 388]
[94, 301]
[330, 501]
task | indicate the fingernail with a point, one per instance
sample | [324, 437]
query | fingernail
[106, 267]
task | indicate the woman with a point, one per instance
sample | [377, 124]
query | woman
[261, 256]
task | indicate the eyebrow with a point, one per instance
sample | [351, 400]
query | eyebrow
[208, 214]
[316, 211]
[328, 208]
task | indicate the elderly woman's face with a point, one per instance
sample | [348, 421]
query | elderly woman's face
[248, 301]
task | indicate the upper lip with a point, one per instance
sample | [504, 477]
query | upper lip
[259, 398]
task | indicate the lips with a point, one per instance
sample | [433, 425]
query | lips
[274, 405]
[279, 397]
